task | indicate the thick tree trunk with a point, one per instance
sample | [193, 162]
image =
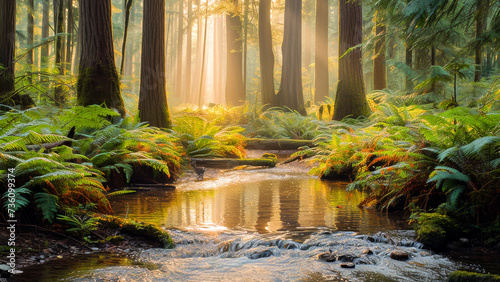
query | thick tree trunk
[98, 81]
[29, 57]
[180, 37]
[7, 52]
[290, 93]
[321, 53]
[308, 28]
[45, 33]
[481, 17]
[350, 99]
[235, 91]
[153, 105]
[129, 56]
[266, 54]
[245, 44]
[60, 94]
[189, 41]
[379, 67]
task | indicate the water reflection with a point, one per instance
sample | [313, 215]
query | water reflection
[265, 201]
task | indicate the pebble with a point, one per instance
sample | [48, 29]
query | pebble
[399, 255]
[347, 265]
[94, 249]
[328, 257]
[368, 252]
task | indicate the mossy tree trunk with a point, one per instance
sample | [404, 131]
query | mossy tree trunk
[350, 99]
[266, 54]
[7, 52]
[153, 106]
[290, 93]
[379, 67]
[321, 51]
[235, 91]
[97, 79]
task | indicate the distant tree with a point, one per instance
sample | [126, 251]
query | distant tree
[98, 81]
[30, 56]
[350, 99]
[290, 92]
[266, 54]
[69, 43]
[45, 32]
[189, 41]
[379, 67]
[7, 52]
[235, 91]
[180, 36]
[321, 52]
[60, 94]
[481, 20]
[153, 106]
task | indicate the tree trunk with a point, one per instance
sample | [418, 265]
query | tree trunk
[128, 6]
[153, 105]
[203, 60]
[235, 91]
[379, 68]
[7, 52]
[29, 57]
[308, 34]
[266, 54]
[321, 52]
[98, 81]
[129, 62]
[350, 99]
[245, 44]
[189, 43]
[60, 95]
[409, 63]
[45, 33]
[290, 93]
[481, 17]
[69, 43]
[180, 36]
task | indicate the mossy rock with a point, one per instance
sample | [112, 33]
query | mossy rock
[143, 230]
[465, 276]
[435, 230]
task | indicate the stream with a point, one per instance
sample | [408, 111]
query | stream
[260, 225]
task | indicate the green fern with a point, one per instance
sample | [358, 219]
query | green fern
[47, 203]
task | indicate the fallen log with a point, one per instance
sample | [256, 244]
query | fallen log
[50, 146]
[156, 185]
[277, 144]
[230, 163]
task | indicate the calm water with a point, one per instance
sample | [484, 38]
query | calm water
[262, 225]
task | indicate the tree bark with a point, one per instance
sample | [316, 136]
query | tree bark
[266, 54]
[180, 37]
[290, 93]
[235, 91]
[153, 106]
[128, 6]
[481, 16]
[189, 47]
[350, 99]
[69, 43]
[98, 81]
[29, 57]
[379, 67]
[7, 52]
[60, 95]
[321, 52]
[45, 33]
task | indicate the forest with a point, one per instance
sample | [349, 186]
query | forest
[398, 100]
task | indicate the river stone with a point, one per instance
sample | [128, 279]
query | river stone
[328, 257]
[261, 254]
[347, 265]
[368, 252]
[399, 255]
[370, 238]
[347, 258]
[4, 267]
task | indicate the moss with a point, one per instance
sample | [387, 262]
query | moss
[435, 230]
[143, 230]
[465, 276]
[115, 240]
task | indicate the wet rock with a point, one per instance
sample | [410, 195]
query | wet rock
[347, 265]
[325, 233]
[328, 257]
[362, 261]
[261, 254]
[368, 252]
[62, 246]
[347, 258]
[4, 267]
[290, 246]
[94, 249]
[399, 255]
[370, 238]
[464, 242]
[41, 257]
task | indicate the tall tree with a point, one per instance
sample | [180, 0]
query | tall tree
[45, 32]
[7, 52]
[290, 92]
[266, 54]
[350, 99]
[189, 48]
[60, 94]
[127, 5]
[321, 51]
[153, 105]
[29, 58]
[70, 41]
[235, 91]
[180, 36]
[379, 68]
[98, 81]
[481, 17]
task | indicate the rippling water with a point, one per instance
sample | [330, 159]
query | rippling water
[266, 225]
